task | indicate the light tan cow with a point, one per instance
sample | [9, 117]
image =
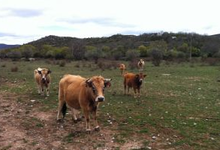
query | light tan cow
[80, 93]
[122, 68]
[134, 81]
[141, 65]
[43, 79]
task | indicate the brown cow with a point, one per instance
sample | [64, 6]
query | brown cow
[43, 79]
[141, 65]
[134, 81]
[122, 68]
[83, 94]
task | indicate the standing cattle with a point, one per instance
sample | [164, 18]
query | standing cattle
[122, 68]
[134, 81]
[83, 94]
[140, 65]
[43, 79]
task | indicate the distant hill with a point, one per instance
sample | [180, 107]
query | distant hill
[6, 46]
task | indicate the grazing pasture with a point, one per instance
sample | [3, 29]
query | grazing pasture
[179, 108]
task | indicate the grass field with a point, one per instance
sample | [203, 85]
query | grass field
[179, 105]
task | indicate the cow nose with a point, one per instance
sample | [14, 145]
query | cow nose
[101, 99]
[43, 80]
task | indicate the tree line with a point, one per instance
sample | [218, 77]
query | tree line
[157, 46]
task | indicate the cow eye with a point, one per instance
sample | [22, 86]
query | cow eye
[93, 89]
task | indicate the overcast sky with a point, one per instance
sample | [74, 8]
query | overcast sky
[23, 21]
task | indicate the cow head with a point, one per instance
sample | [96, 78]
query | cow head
[139, 78]
[98, 84]
[44, 73]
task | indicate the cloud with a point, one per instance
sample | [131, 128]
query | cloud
[2, 34]
[23, 13]
[99, 21]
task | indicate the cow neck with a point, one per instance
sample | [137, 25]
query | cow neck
[93, 105]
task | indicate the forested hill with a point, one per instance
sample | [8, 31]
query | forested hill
[132, 41]
[163, 44]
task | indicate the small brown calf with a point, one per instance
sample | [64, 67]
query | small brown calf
[140, 65]
[43, 79]
[134, 81]
[122, 68]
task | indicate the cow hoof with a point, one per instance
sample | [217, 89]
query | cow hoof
[75, 120]
[97, 128]
[60, 120]
[88, 130]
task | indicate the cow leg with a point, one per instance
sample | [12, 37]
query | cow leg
[97, 128]
[47, 91]
[139, 94]
[128, 90]
[74, 113]
[60, 106]
[39, 89]
[135, 93]
[124, 89]
[87, 117]
[42, 90]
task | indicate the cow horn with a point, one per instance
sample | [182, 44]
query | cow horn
[88, 82]
[108, 80]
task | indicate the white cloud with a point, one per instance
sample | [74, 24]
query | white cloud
[27, 20]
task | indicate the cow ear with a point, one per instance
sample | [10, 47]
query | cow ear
[107, 82]
[49, 71]
[89, 82]
[145, 75]
[39, 71]
[137, 75]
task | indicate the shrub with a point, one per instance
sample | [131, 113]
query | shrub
[157, 57]
[77, 65]
[132, 54]
[3, 65]
[62, 64]
[14, 69]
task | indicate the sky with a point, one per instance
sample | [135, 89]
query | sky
[23, 21]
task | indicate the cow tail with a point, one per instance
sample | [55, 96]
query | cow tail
[64, 108]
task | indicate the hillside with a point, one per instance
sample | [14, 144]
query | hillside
[129, 41]
[168, 45]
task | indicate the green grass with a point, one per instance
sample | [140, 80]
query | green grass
[184, 103]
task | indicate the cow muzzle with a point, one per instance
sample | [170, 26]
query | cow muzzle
[100, 99]
[44, 80]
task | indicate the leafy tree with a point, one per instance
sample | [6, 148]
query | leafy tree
[78, 49]
[27, 51]
[93, 53]
[157, 57]
[143, 51]
[132, 54]
[15, 55]
[116, 54]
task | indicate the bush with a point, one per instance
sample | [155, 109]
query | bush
[14, 69]
[157, 57]
[62, 64]
[132, 54]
